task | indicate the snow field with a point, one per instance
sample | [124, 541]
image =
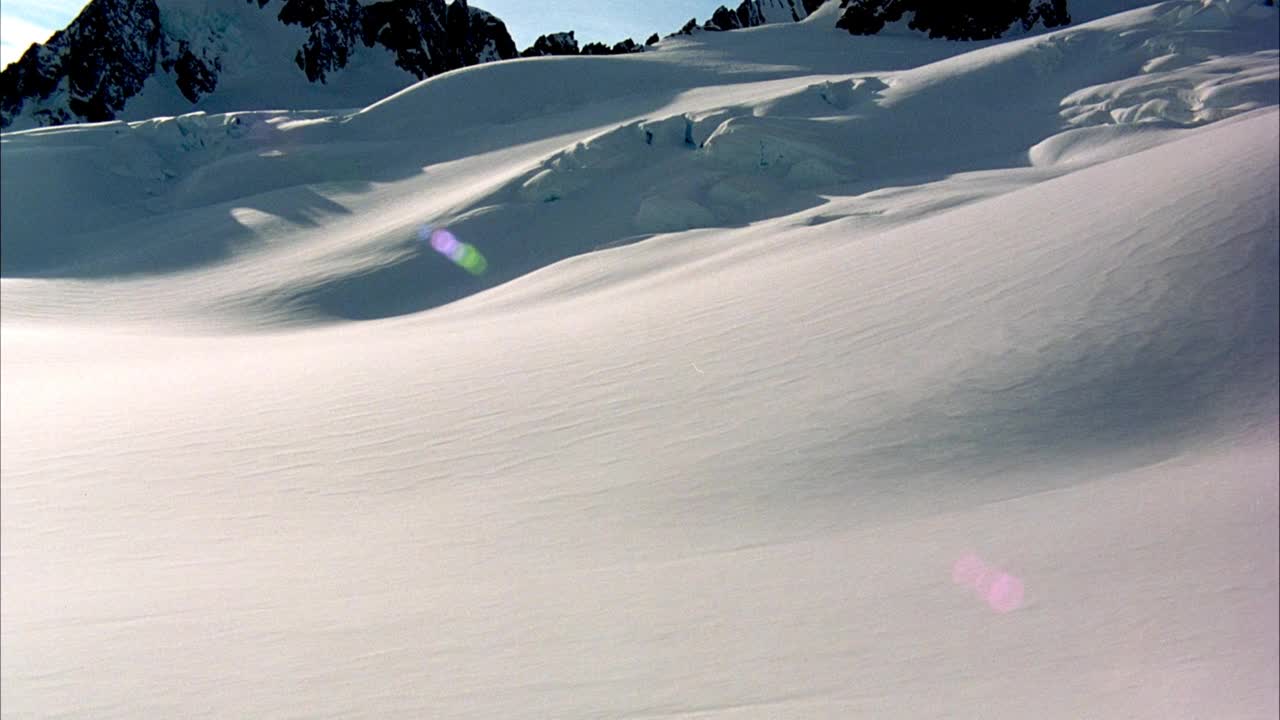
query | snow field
[768, 342]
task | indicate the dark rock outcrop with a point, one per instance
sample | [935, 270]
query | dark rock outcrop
[724, 19]
[622, 48]
[689, 27]
[750, 13]
[429, 37]
[195, 75]
[754, 13]
[333, 27]
[626, 46]
[562, 43]
[953, 19]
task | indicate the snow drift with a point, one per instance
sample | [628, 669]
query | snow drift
[771, 338]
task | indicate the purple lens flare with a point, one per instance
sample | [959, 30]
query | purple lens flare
[445, 243]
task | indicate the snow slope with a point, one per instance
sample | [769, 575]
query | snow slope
[779, 346]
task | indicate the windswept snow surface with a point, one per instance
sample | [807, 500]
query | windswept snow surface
[810, 377]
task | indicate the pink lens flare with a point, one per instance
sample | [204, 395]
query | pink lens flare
[1005, 594]
[967, 570]
[1002, 592]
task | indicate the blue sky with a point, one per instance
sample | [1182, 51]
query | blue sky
[597, 20]
[23, 22]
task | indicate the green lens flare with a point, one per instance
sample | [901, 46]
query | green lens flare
[471, 260]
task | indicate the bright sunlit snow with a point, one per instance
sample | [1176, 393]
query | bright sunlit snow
[771, 374]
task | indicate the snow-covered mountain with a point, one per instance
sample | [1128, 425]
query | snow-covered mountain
[777, 373]
[133, 59]
[754, 13]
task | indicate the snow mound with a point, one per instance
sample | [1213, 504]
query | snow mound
[765, 347]
[1191, 94]
[640, 146]
[1049, 374]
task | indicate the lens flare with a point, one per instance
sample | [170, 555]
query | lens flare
[1002, 592]
[1005, 593]
[464, 255]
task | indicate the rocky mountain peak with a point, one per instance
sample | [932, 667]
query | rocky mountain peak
[91, 70]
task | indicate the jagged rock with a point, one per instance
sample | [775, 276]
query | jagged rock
[754, 13]
[429, 38]
[562, 43]
[750, 13]
[868, 17]
[406, 28]
[195, 76]
[480, 35]
[622, 48]
[952, 19]
[688, 28]
[723, 19]
[333, 25]
[626, 46]
[653, 40]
